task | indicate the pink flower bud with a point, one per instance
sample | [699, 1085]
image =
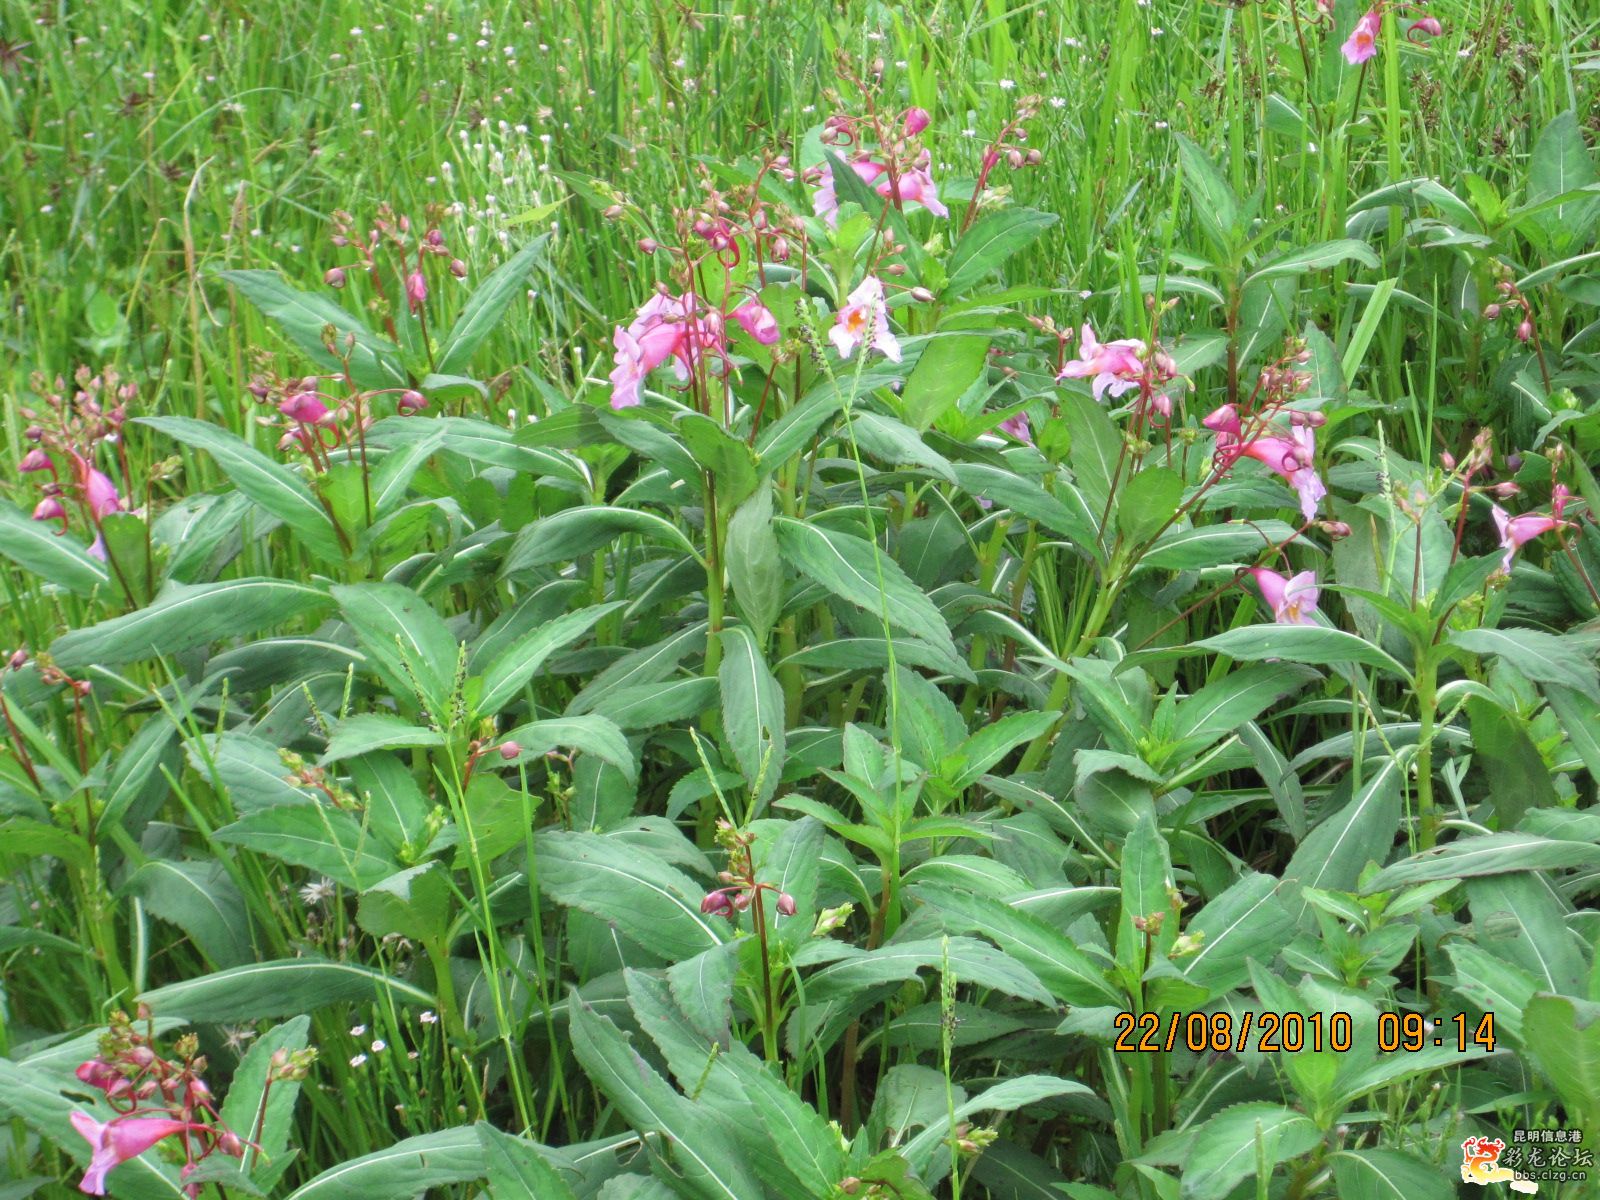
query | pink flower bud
[34, 460]
[648, 245]
[1513, 462]
[1524, 330]
[49, 509]
[780, 250]
[922, 295]
[785, 904]
[717, 904]
[18, 659]
[33, 433]
[1447, 461]
[416, 290]
[306, 408]
[509, 750]
[1014, 158]
[435, 238]
[412, 400]
[334, 278]
[614, 211]
[458, 268]
[82, 687]
[1427, 25]
[1491, 311]
[916, 121]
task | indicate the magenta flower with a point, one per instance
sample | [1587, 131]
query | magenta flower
[34, 460]
[757, 320]
[1514, 531]
[49, 509]
[412, 401]
[916, 121]
[1292, 600]
[1426, 26]
[118, 1140]
[1017, 427]
[1115, 366]
[99, 493]
[917, 187]
[1290, 457]
[1362, 43]
[864, 318]
[662, 329]
[305, 407]
[416, 290]
[1224, 422]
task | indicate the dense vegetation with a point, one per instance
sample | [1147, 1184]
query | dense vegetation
[630, 601]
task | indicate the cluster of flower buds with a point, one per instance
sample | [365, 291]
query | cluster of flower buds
[314, 778]
[155, 1096]
[886, 154]
[54, 676]
[1511, 303]
[65, 433]
[741, 886]
[319, 413]
[410, 253]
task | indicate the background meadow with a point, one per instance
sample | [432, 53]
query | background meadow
[470, 782]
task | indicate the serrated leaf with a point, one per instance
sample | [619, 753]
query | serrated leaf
[201, 899]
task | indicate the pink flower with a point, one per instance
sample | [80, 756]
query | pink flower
[916, 121]
[825, 203]
[305, 407]
[102, 1075]
[1292, 600]
[1428, 26]
[864, 318]
[1224, 422]
[49, 509]
[118, 1140]
[1362, 43]
[99, 493]
[416, 290]
[1514, 531]
[917, 187]
[412, 401]
[757, 320]
[34, 460]
[1290, 457]
[1115, 366]
[1017, 427]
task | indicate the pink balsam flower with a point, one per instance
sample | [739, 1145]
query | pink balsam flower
[1114, 366]
[305, 407]
[864, 319]
[1293, 600]
[1017, 427]
[118, 1140]
[756, 319]
[1515, 531]
[1362, 43]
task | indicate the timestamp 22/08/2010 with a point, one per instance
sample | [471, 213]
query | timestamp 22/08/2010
[1292, 1032]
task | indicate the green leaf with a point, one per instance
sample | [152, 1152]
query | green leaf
[271, 485]
[301, 317]
[34, 546]
[888, 440]
[407, 643]
[363, 733]
[589, 732]
[647, 706]
[949, 364]
[726, 457]
[1210, 198]
[1563, 1035]
[1542, 657]
[923, 1152]
[1227, 1147]
[324, 839]
[1148, 502]
[486, 308]
[574, 532]
[993, 239]
[652, 903]
[248, 1088]
[1522, 920]
[755, 569]
[1146, 884]
[391, 479]
[1222, 707]
[1388, 1175]
[481, 442]
[976, 756]
[1246, 921]
[1561, 164]
[707, 1159]
[1485, 854]
[404, 1170]
[752, 713]
[1097, 449]
[1071, 518]
[973, 962]
[517, 1171]
[1294, 643]
[201, 899]
[511, 670]
[285, 988]
[857, 570]
[413, 903]
[1315, 258]
[395, 805]
[1362, 830]
[187, 615]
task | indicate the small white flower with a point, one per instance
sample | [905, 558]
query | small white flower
[429, 1017]
[1007, 84]
[317, 891]
[357, 1060]
[379, 1046]
[358, 1030]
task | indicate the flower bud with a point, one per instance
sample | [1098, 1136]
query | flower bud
[49, 509]
[435, 238]
[509, 750]
[1014, 158]
[1428, 25]
[458, 268]
[648, 245]
[785, 904]
[416, 290]
[33, 433]
[780, 250]
[1447, 461]
[82, 687]
[1336, 529]
[922, 295]
[1491, 311]
[334, 278]
[1524, 330]
[34, 460]
[1034, 157]
[916, 121]
[412, 400]
[612, 212]
[717, 904]
[18, 659]
[1513, 463]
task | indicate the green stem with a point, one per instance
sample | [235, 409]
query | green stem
[1427, 688]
